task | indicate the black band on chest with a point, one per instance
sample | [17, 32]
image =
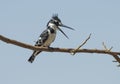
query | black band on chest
[52, 30]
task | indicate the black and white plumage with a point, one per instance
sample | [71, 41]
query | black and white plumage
[48, 35]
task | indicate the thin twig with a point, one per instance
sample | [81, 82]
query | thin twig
[110, 49]
[106, 47]
[74, 51]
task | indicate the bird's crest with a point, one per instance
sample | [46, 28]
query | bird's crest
[55, 16]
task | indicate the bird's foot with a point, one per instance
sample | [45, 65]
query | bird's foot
[51, 48]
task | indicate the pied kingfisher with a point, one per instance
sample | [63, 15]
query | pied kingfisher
[48, 35]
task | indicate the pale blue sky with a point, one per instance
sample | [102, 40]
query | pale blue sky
[24, 20]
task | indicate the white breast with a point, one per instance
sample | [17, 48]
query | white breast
[50, 39]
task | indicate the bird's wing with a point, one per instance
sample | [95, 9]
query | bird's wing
[43, 37]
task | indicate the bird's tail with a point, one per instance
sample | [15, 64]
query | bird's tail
[32, 57]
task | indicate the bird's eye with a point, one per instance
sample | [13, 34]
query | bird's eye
[56, 22]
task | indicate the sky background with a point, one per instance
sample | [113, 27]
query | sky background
[24, 20]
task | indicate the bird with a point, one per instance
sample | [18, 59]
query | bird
[48, 35]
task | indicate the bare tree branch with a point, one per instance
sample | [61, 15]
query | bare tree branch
[65, 50]
[74, 51]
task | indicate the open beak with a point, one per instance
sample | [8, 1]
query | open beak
[63, 33]
[62, 25]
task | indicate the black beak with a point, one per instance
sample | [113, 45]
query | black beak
[62, 25]
[63, 33]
